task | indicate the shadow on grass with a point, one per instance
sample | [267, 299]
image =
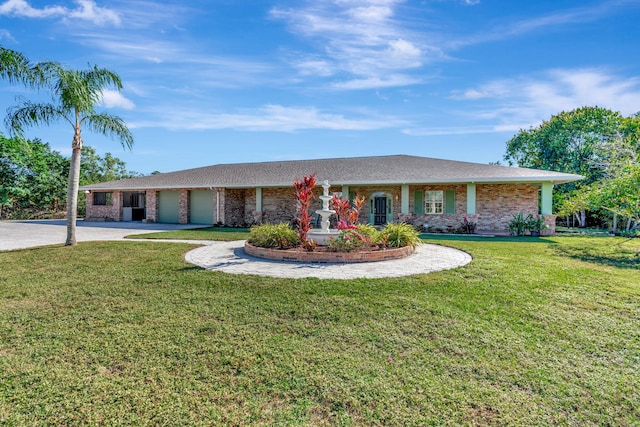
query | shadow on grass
[613, 254]
[596, 249]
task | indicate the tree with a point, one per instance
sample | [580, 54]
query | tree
[577, 141]
[31, 178]
[75, 94]
[94, 168]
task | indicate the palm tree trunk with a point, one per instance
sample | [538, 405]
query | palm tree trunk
[72, 194]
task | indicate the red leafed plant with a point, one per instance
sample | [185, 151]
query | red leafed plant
[304, 196]
[345, 211]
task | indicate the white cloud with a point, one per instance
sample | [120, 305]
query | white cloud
[269, 118]
[377, 82]
[6, 35]
[362, 41]
[114, 99]
[86, 10]
[526, 101]
[23, 9]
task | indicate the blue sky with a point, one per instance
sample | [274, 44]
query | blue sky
[229, 81]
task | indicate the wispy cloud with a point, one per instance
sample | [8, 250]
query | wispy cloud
[359, 41]
[85, 10]
[526, 101]
[6, 35]
[508, 105]
[560, 19]
[271, 118]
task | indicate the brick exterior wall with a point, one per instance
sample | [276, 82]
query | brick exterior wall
[183, 207]
[495, 206]
[152, 206]
[234, 207]
[278, 205]
[441, 222]
[111, 212]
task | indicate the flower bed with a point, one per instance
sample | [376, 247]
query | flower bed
[322, 255]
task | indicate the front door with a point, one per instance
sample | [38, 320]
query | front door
[380, 210]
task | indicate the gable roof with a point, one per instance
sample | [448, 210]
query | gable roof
[395, 169]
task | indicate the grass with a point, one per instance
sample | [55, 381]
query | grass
[535, 331]
[209, 233]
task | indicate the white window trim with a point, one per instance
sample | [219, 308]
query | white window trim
[434, 206]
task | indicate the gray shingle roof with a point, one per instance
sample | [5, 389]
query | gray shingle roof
[395, 169]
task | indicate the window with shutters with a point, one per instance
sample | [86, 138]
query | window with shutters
[433, 202]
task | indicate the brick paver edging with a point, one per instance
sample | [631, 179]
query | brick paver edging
[323, 257]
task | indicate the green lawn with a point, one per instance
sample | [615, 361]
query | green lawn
[533, 332]
[209, 233]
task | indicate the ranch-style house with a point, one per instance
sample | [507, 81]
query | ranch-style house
[425, 191]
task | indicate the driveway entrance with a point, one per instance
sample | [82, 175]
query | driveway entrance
[27, 234]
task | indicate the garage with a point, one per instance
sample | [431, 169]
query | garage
[201, 207]
[168, 207]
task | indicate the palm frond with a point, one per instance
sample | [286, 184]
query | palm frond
[28, 114]
[111, 126]
[16, 68]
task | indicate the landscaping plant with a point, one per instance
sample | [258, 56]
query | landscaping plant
[345, 211]
[518, 224]
[398, 235]
[304, 196]
[353, 237]
[279, 236]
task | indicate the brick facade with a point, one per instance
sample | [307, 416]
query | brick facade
[112, 212]
[151, 206]
[495, 206]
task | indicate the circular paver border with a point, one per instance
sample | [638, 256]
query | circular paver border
[229, 257]
[327, 257]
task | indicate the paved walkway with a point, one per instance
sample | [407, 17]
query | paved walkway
[229, 257]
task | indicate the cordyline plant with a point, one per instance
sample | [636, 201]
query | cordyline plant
[304, 196]
[345, 212]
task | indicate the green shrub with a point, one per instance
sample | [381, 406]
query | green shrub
[518, 224]
[353, 237]
[399, 235]
[280, 236]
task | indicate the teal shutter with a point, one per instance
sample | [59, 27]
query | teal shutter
[450, 202]
[352, 196]
[418, 202]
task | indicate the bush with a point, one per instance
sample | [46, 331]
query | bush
[400, 235]
[518, 224]
[468, 227]
[353, 237]
[280, 236]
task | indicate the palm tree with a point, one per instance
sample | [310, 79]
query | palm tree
[75, 94]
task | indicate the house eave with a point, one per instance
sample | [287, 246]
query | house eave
[556, 180]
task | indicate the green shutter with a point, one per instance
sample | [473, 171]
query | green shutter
[418, 202]
[352, 196]
[450, 202]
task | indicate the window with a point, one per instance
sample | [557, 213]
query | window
[102, 198]
[433, 202]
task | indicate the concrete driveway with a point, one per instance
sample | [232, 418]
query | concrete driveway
[27, 234]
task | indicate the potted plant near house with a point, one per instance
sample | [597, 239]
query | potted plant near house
[535, 224]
